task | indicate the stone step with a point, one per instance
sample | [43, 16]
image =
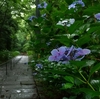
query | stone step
[20, 92]
[26, 82]
[30, 95]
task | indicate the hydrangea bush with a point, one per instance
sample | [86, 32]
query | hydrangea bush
[70, 31]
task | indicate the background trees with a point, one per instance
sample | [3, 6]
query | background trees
[13, 26]
[8, 27]
[14, 35]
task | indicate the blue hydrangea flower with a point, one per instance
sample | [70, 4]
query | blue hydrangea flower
[39, 66]
[80, 53]
[42, 5]
[65, 54]
[97, 16]
[57, 54]
[32, 17]
[80, 2]
[75, 3]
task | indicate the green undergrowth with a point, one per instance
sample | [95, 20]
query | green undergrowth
[7, 55]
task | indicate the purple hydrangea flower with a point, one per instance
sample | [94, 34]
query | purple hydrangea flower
[80, 2]
[80, 53]
[65, 54]
[32, 17]
[97, 16]
[69, 50]
[54, 56]
[83, 52]
[57, 54]
[75, 3]
[39, 66]
[72, 6]
[42, 5]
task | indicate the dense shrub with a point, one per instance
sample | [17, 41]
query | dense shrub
[75, 70]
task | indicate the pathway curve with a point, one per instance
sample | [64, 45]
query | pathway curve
[19, 84]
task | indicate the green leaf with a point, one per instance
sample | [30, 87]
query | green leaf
[90, 62]
[95, 24]
[75, 26]
[49, 7]
[57, 72]
[79, 64]
[89, 92]
[69, 79]
[93, 29]
[92, 9]
[69, 1]
[68, 85]
[83, 40]
[64, 40]
[94, 69]
[96, 83]
[78, 80]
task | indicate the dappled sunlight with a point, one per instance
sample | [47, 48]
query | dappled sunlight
[18, 57]
[24, 59]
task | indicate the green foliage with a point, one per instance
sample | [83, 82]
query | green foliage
[15, 53]
[94, 69]
[69, 79]
[6, 55]
[78, 78]
[8, 27]
[30, 53]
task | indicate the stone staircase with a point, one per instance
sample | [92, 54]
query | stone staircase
[19, 84]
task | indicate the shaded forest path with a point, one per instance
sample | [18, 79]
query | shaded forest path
[19, 84]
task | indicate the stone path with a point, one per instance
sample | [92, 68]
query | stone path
[19, 84]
